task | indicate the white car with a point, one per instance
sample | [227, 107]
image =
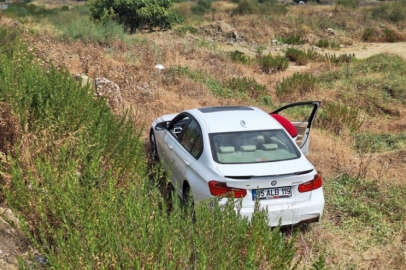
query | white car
[244, 153]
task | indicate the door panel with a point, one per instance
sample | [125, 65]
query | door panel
[185, 143]
[301, 115]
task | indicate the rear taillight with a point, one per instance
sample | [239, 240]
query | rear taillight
[221, 189]
[311, 185]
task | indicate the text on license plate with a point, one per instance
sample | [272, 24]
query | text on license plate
[271, 193]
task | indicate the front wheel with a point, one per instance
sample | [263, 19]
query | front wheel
[152, 147]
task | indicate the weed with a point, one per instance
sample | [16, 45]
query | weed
[391, 36]
[215, 86]
[295, 38]
[359, 204]
[272, 7]
[349, 3]
[270, 64]
[334, 59]
[184, 29]
[202, 7]
[296, 55]
[325, 43]
[337, 117]
[85, 198]
[369, 142]
[392, 12]
[370, 34]
[246, 7]
[240, 57]
[246, 86]
[299, 83]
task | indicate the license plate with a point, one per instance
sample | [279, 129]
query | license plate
[271, 193]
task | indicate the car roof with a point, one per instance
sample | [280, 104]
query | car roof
[234, 118]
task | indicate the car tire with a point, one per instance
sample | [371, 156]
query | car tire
[187, 198]
[152, 147]
[187, 201]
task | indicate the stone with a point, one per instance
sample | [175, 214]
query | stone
[331, 31]
[109, 90]
[9, 215]
[84, 79]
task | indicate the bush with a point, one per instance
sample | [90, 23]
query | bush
[296, 55]
[184, 29]
[361, 205]
[349, 3]
[270, 64]
[370, 34]
[246, 86]
[295, 38]
[202, 7]
[338, 117]
[334, 59]
[299, 83]
[391, 36]
[84, 194]
[240, 57]
[89, 31]
[324, 43]
[267, 7]
[246, 7]
[369, 142]
[25, 9]
[394, 12]
[134, 14]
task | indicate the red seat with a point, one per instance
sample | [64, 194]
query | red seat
[291, 129]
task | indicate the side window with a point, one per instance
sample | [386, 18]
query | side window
[178, 125]
[192, 139]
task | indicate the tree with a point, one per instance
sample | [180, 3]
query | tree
[134, 14]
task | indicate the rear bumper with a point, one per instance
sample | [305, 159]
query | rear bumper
[292, 213]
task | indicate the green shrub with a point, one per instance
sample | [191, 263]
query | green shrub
[338, 117]
[370, 34]
[134, 14]
[21, 10]
[246, 86]
[361, 205]
[296, 55]
[246, 7]
[298, 83]
[295, 38]
[325, 43]
[349, 3]
[270, 64]
[391, 36]
[385, 63]
[240, 57]
[266, 7]
[334, 59]
[392, 12]
[89, 31]
[84, 194]
[202, 7]
[184, 29]
[370, 142]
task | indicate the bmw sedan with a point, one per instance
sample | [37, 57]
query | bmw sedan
[243, 153]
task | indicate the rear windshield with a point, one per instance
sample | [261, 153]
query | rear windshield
[252, 147]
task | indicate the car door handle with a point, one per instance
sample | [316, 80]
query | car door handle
[170, 147]
[186, 162]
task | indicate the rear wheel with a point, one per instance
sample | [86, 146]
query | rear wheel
[152, 147]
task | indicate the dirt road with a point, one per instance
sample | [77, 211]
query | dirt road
[365, 50]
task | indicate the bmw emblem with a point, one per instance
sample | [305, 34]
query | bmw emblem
[243, 124]
[273, 183]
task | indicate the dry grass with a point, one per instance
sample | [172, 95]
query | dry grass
[150, 93]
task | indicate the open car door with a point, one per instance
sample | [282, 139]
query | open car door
[301, 115]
